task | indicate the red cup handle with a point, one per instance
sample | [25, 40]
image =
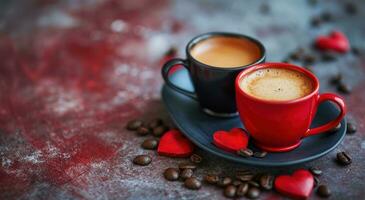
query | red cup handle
[332, 124]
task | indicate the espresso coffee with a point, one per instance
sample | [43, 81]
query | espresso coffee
[226, 52]
[276, 84]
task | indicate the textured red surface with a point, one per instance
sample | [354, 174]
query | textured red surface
[72, 74]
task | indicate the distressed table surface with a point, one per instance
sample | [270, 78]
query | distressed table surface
[72, 73]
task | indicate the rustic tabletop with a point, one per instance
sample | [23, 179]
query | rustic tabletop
[73, 73]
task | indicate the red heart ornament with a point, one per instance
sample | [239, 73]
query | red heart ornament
[232, 141]
[298, 185]
[174, 144]
[336, 41]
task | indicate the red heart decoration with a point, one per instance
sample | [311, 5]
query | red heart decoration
[174, 144]
[232, 141]
[298, 185]
[336, 41]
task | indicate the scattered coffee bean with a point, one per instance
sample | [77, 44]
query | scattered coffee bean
[195, 158]
[259, 154]
[344, 88]
[315, 171]
[355, 51]
[192, 183]
[267, 181]
[230, 191]
[142, 131]
[350, 8]
[253, 193]
[336, 79]
[316, 21]
[150, 144]
[316, 181]
[134, 124]
[211, 178]
[242, 190]
[186, 173]
[236, 182]
[295, 55]
[172, 51]
[264, 8]
[253, 183]
[186, 165]
[326, 16]
[335, 129]
[154, 123]
[343, 158]
[224, 181]
[323, 191]
[351, 128]
[142, 160]
[244, 175]
[328, 56]
[171, 174]
[159, 130]
[245, 152]
[309, 59]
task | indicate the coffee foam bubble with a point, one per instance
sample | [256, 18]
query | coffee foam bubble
[277, 84]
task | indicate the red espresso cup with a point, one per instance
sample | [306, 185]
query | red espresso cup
[278, 126]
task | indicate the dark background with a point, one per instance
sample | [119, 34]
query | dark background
[72, 73]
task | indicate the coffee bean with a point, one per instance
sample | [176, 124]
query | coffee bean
[236, 182]
[224, 181]
[351, 128]
[315, 171]
[142, 131]
[296, 55]
[355, 51]
[335, 129]
[159, 130]
[336, 79]
[230, 191]
[253, 183]
[211, 178]
[150, 144]
[195, 158]
[326, 16]
[316, 181]
[171, 174]
[344, 88]
[186, 165]
[316, 21]
[244, 175]
[323, 191]
[142, 160]
[253, 193]
[172, 51]
[259, 154]
[242, 189]
[192, 183]
[350, 8]
[134, 124]
[309, 59]
[154, 123]
[186, 173]
[245, 152]
[328, 56]
[267, 181]
[343, 158]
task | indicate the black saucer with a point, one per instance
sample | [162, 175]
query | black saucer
[199, 127]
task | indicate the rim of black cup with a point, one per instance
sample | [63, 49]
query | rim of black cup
[205, 36]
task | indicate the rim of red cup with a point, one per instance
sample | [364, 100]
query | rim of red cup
[277, 65]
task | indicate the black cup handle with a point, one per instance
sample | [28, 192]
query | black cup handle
[165, 74]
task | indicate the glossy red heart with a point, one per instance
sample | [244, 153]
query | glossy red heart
[232, 141]
[298, 185]
[335, 41]
[174, 144]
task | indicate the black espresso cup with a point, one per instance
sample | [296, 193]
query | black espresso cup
[213, 61]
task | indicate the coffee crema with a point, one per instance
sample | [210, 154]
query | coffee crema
[277, 84]
[226, 51]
